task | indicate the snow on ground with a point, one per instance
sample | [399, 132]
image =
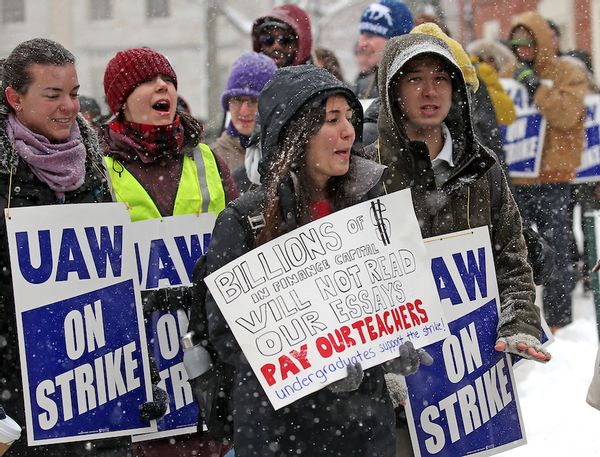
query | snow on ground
[558, 421]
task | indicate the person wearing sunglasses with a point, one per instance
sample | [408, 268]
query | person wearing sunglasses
[557, 88]
[284, 35]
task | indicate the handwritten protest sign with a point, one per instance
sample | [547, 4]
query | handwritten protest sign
[589, 170]
[466, 403]
[167, 250]
[524, 138]
[347, 288]
[82, 342]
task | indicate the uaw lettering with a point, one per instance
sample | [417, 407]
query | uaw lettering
[347, 288]
[466, 402]
[167, 249]
[82, 344]
[523, 139]
[589, 170]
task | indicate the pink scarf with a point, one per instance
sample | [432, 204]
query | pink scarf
[60, 165]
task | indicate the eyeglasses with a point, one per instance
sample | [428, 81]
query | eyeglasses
[283, 40]
[239, 101]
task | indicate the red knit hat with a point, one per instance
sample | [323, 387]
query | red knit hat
[128, 69]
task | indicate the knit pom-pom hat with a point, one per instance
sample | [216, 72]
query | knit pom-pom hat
[128, 69]
[249, 74]
[386, 18]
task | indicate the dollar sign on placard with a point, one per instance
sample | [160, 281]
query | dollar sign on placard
[382, 224]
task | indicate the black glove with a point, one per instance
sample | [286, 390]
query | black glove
[158, 407]
[350, 382]
[526, 76]
[409, 360]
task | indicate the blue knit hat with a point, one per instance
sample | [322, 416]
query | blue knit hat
[249, 74]
[386, 18]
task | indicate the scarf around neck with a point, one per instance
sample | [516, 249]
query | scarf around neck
[150, 142]
[59, 165]
[243, 139]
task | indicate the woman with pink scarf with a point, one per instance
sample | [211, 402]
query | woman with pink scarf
[48, 155]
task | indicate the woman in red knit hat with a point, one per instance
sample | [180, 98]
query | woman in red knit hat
[157, 165]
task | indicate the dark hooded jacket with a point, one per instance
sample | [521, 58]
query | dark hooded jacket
[463, 200]
[298, 20]
[313, 424]
[27, 190]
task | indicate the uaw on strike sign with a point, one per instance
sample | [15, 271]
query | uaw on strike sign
[466, 403]
[167, 250]
[82, 343]
[348, 288]
[524, 139]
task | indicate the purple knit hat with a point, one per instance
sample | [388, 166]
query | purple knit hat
[249, 74]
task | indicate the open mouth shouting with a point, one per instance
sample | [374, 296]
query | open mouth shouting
[342, 154]
[163, 107]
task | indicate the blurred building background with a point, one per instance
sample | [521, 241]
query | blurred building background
[202, 38]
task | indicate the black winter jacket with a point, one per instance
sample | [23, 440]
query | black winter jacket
[358, 423]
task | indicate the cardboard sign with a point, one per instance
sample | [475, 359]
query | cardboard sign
[167, 250]
[523, 139]
[466, 403]
[589, 170]
[82, 342]
[347, 288]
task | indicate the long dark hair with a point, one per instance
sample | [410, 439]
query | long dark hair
[291, 159]
[41, 51]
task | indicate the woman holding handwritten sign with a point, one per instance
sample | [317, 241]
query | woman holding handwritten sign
[309, 121]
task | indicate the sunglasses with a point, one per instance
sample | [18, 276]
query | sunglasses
[283, 40]
[522, 42]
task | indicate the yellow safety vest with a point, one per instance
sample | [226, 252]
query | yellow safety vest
[200, 188]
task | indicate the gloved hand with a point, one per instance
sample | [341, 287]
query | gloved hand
[409, 360]
[526, 76]
[158, 407]
[523, 345]
[350, 382]
[396, 389]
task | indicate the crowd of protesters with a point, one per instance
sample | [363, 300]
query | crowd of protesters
[296, 146]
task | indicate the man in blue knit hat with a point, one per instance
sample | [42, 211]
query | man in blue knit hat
[379, 22]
